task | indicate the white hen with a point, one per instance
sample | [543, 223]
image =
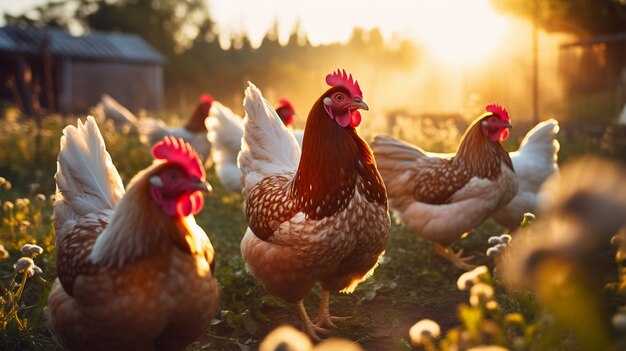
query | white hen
[152, 130]
[534, 162]
[109, 109]
[225, 130]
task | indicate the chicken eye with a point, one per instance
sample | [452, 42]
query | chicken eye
[172, 176]
[339, 97]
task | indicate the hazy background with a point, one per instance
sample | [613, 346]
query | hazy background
[443, 57]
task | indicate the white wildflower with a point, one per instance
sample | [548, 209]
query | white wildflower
[24, 264]
[3, 252]
[619, 321]
[468, 279]
[22, 203]
[480, 292]
[492, 251]
[505, 238]
[424, 330]
[286, 338]
[40, 197]
[529, 216]
[493, 240]
[492, 305]
[488, 348]
[35, 270]
[31, 249]
[7, 206]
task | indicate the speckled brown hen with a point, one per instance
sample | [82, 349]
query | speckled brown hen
[135, 271]
[316, 216]
[441, 197]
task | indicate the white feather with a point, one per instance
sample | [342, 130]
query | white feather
[152, 130]
[534, 162]
[267, 147]
[87, 181]
[109, 109]
[225, 130]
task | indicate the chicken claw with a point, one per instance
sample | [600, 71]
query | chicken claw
[308, 326]
[456, 258]
[323, 315]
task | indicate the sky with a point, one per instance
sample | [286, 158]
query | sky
[454, 30]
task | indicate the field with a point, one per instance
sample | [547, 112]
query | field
[410, 284]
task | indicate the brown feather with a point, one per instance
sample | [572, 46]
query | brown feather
[477, 156]
[332, 158]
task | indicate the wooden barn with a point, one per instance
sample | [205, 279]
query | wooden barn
[49, 70]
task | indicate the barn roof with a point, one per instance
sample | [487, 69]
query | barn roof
[101, 46]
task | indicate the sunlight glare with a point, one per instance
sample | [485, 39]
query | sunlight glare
[461, 31]
[456, 31]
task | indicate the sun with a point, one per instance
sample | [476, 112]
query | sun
[461, 31]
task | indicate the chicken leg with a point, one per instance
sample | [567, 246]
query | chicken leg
[324, 319]
[456, 258]
[308, 326]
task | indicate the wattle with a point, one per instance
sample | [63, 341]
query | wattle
[344, 119]
[189, 205]
[504, 134]
[355, 119]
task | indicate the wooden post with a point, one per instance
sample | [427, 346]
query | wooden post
[24, 89]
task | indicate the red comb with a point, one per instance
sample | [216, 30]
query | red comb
[205, 99]
[497, 109]
[341, 78]
[285, 103]
[178, 151]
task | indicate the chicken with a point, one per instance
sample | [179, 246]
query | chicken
[534, 162]
[194, 131]
[109, 109]
[319, 215]
[287, 114]
[441, 197]
[135, 271]
[563, 257]
[225, 130]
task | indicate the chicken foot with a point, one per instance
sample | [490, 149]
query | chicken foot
[456, 258]
[324, 319]
[308, 326]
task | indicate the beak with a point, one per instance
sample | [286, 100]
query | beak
[507, 124]
[198, 184]
[360, 104]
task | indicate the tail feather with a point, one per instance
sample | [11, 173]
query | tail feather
[396, 161]
[393, 155]
[151, 130]
[542, 136]
[118, 113]
[268, 148]
[87, 181]
[225, 130]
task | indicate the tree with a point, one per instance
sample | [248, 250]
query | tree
[584, 18]
[169, 25]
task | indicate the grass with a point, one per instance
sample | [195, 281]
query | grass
[409, 285]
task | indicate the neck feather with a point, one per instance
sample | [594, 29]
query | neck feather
[138, 227]
[478, 152]
[333, 159]
[196, 123]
